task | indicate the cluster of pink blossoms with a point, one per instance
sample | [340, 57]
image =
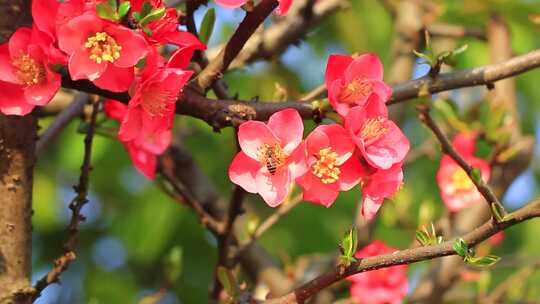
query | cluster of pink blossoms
[368, 149]
[113, 44]
[457, 189]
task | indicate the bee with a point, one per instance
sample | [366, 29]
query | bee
[272, 161]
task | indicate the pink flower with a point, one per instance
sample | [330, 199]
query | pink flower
[351, 81]
[382, 286]
[101, 51]
[282, 9]
[272, 157]
[144, 149]
[379, 185]
[331, 165]
[151, 108]
[456, 188]
[26, 79]
[379, 139]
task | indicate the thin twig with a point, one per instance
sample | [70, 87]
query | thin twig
[269, 222]
[447, 148]
[226, 239]
[407, 256]
[74, 109]
[247, 27]
[62, 263]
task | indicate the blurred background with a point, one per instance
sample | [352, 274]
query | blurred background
[132, 226]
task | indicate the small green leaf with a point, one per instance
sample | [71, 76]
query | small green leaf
[136, 16]
[427, 58]
[498, 212]
[422, 237]
[104, 11]
[349, 243]
[152, 16]
[147, 31]
[476, 176]
[113, 4]
[450, 114]
[226, 279]
[484, 261]
[123, 9]
[461, 248]
[173, 264]
[207, 25]
[145, 9]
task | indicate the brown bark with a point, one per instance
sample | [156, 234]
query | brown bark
[17, 141]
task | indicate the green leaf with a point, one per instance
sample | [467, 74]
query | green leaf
[484, 261]
[123, 9]
[145, 9]
[498, 211]
[104, 11]
[422, 237]
[173, 264]
[136, 16]
[207, 25]
[461, 248]
[476, 176]
[152, 16]
[113, 4]
[226, 279]
[427, 59]
[349, 243]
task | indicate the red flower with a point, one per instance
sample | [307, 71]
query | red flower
[151, 108]
[142, 150]
[351, 81]
[382, 286]
[457, 189]
[379, 185]
[101, 51]
[282, 9]
[331, 165]
[379, 139]
[272, 157]
[25, 77]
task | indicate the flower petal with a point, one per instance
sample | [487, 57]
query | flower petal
[144, 161]
[7, 70]
[73, 34]
[273, 188]
[231, 3]
[287, 125]
[82, 67]
[115, 79]
[336, 67]
[12, 100]
[42, 93]
[134, 46]
[252, 135]
[18, 42]
[366, 66]
[243, 171]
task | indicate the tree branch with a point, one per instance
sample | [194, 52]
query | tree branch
[62, 262]
[407, 256]
[247, 27]
[447, 148]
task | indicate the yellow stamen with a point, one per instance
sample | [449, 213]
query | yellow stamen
[325, 168]
[461, 180]
[373, 129]
[355, 90]
[103, 48]
[28, 71]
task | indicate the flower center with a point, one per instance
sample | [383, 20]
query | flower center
[355, 90]
[325, 168]
[373, 129]
[461, 180]
[157, 101]
[271, 156]
[103, 48]
[28, 71]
